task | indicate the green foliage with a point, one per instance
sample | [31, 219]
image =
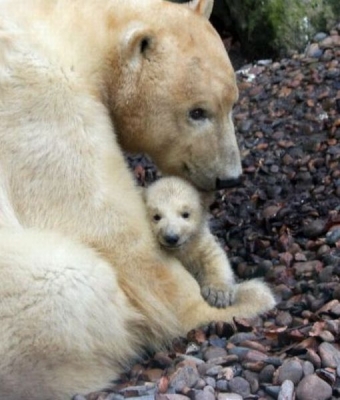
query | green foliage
[295, 21]
[281, 25]
[285, 25]
[268, 28]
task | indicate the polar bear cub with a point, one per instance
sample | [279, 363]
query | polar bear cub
[180, 224]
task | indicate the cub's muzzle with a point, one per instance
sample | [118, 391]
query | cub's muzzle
[171, 239]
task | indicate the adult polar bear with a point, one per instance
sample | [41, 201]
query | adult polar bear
[83, 286]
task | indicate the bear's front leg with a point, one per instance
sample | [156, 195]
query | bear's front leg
[252, 298]
[209, 264]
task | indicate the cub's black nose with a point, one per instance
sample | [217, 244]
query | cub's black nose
[228, 183]
[172, 240]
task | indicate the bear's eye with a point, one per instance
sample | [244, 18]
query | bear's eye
[185, 215]
[157, 217]
[198, 114]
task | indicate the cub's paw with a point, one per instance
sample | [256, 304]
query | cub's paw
[218, 296]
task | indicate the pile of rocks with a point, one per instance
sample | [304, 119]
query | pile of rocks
[283, 224]
[323, 44]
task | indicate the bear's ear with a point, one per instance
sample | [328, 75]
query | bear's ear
[138, 41]
[203, 7]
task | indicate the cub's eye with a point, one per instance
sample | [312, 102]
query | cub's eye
[157, 217]
[198, 114]
[185, 215]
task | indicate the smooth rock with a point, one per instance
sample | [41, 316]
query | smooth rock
[229, 396]
[214, 352]
[333, 236]
[208, 393]
[214, 370]
[290, 370]
[267, 373]
[240, 385]
[170, 396]
[222, 385]
[240, 337]
[210, 381]
[286, 391]
[253, 380]
[308, 368]
[184, 377]
[314, 51]
[330, 355]
[313, 388]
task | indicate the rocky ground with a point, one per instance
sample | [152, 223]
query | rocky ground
[282, 224]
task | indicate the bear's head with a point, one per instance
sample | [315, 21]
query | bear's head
[172, 92]
[175, 211]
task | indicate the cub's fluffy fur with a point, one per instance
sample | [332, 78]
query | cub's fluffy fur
[179, 222]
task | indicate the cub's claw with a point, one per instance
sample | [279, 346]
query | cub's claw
[218, 297]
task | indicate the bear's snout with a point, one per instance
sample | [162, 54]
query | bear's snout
[228, 183]
[171, 239]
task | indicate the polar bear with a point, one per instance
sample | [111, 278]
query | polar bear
[84, 286]
[180, 224]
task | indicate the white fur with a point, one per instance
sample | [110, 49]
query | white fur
[83, 284]
[176, 210]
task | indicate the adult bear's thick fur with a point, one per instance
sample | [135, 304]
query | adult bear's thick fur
[83, 285]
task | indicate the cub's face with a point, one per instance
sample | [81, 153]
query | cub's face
[175, 96]
[175, 212]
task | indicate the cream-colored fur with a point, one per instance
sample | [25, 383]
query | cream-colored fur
[180, 224]
[83, 284]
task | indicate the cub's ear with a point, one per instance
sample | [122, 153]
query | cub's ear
[203, 7]
[138, 42]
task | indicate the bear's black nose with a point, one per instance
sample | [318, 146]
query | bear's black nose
[228, 183]
[172, 239]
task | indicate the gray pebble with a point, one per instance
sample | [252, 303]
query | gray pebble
[272, 390]
[240, 386]
[200, 384]
[319, 36]
[115, 396]
[207, 393]
[246, 125]
[313, 388]
[229, 396]
[210, 381]
[330, 355]
[317, 227]
[286, 391]
[184, 377]
[308, 368]
[283, 318]
[194, 359]
[171, 396]
[240, 337]
[291, 370]
[222, 385]
[214, 352]
[214, 370]
[326, 274]
[253, 380]
[266, 375]
[333, 236]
